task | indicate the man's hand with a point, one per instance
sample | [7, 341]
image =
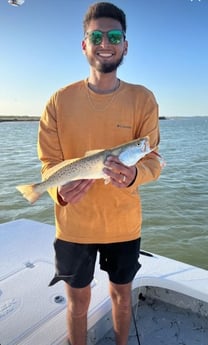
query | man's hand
[121, 176]
[73, 192]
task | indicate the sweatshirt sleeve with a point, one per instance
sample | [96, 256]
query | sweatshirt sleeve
[49, 148]
[147, 124]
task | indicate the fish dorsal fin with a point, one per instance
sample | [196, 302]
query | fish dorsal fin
[92, 152]
[57, 167]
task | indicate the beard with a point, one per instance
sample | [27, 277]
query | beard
[105, 67]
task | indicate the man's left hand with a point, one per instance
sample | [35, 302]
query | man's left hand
[121, 175]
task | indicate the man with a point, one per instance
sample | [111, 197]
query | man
[99, 112]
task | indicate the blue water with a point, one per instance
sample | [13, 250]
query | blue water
[175, 207]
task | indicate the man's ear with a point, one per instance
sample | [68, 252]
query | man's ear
[126, 48]
[83, 47]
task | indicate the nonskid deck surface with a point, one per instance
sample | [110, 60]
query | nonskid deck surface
[162, 323]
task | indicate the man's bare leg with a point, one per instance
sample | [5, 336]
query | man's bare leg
[77, 308]
[121, 311]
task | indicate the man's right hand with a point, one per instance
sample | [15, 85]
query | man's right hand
[72, 192]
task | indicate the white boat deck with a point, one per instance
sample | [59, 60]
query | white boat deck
[161, 323]
[31, 313]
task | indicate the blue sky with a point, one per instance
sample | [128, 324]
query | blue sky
[168, 52]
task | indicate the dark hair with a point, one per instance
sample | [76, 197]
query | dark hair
[104, 10]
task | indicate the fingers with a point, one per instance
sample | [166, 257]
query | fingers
[74, 191]
[121, 176]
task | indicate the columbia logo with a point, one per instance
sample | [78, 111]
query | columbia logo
[123, 126]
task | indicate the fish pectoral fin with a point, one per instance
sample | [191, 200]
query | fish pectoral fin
[92, 152]
[57, 167]
[107, 179]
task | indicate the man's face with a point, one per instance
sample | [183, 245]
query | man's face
[104, 57]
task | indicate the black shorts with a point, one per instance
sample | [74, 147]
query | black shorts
[75, 263]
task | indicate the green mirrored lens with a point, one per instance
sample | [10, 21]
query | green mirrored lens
[115, 36]
[96, 37]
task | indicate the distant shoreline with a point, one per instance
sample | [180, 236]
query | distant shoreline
[19, 118]
[12, 118]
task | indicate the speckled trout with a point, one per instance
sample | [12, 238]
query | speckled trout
[88, 167]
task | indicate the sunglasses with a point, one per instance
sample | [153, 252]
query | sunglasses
[114, 36]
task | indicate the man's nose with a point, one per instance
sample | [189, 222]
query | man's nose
[105, 40]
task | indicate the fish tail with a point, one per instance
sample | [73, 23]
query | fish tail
[29, 192]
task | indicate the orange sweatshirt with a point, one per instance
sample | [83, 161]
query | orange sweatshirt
[77, 120]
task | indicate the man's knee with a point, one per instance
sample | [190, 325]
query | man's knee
[78, 301]
[121, 294]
